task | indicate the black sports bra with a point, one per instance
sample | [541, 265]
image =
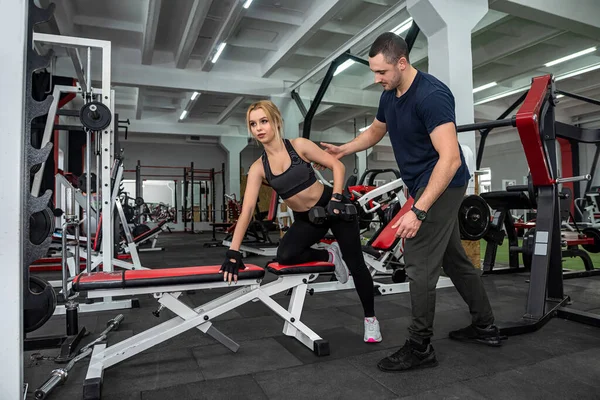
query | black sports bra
[293, 180]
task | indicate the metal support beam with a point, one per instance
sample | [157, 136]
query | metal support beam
[150, 27]
[229, 24]
[229, 110]
[191, 32]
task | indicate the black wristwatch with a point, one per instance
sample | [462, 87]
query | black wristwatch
[337, 196]
[421, 215]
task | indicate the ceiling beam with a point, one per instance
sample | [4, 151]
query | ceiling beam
[251, 44]
[150, 27]
[191, 32]
[258, 12]
[316, 18]
[228, 25]
[168, 126]
[226, 113]
[582, 19]
[343, 118]
[107, 23]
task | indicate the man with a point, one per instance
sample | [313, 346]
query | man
[418, 112]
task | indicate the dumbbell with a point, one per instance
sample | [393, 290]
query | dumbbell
[318, 215]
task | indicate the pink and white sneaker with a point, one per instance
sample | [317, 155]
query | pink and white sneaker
[372, 332]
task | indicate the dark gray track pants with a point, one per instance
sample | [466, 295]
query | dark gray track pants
[437, 245]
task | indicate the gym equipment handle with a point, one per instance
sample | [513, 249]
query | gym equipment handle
[586, 177]
[488, 124]
[517, 188]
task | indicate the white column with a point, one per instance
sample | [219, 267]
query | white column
[12, 52]
[447, 26]
[233, 146]
[361, 161]
[292, 117]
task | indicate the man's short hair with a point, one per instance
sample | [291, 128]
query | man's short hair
[392, 46]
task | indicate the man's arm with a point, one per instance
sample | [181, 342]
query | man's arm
[445, 141]
[438, 115]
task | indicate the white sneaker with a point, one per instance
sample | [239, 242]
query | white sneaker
[341, 269]
[372, 332]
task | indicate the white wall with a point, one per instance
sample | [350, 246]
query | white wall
[506, 161]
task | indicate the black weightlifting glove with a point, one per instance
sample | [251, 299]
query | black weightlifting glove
[230, 268]
[335, 208]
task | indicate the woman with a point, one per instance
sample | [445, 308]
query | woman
[286, 166]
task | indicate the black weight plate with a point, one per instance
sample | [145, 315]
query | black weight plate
[474, 218]
[531, 191]
[592, 233]
[39, 306]
[95, 120]
[41, 226]
[139, 201]
[528, 248]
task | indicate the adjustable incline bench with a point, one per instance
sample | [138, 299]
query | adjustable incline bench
[166, 285]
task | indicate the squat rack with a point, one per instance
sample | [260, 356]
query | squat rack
[189, 176]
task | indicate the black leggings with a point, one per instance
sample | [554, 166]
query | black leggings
[294, 248]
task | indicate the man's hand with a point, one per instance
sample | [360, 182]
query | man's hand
[334, 150]
[407, 225]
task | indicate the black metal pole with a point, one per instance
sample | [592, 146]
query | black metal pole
[185, 199]
[485, 132]
[488, 124]
[192, 188]
[578, 97]
[223, 213]
[319, 96]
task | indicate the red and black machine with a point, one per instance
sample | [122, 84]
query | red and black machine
[538, 131]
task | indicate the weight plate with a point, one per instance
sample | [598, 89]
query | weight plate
[139, 201]
[39, 304]
[592, 233]
[528, 248]
[95, 116]
[41, 226]
[474, 218]
[531, 191]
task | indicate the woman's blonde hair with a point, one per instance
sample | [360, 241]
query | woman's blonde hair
[273, 115]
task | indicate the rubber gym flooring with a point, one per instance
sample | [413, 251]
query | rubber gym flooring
[560, 361]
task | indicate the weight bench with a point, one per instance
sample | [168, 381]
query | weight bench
[166, 285]
[150, 234]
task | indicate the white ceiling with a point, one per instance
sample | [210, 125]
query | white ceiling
[161, 54]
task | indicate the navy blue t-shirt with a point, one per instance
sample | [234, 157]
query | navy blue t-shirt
[410, 119]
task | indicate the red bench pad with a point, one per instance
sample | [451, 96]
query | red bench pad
[159, 277]
[306, 268]
[151, 232]
[386, 240]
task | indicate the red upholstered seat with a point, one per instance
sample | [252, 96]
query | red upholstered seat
[151, 232]
[307, 268]
[159, 277]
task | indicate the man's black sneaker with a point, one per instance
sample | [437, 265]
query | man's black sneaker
[409, 358]
[489, 335]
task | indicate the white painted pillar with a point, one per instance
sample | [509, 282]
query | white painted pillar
[12, 52]
[447, 26]
[233, 146]
[361, 161]
[292, 117]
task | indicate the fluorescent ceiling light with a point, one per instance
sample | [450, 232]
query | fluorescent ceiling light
[364, 129]
[195, 95]
[218, 53]
[501, 95]
[247, 3]
[483, 87]
[183, 114]
[403, 27]
[343, 66]
[559, 96]
[577, 72]
[572, 56]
